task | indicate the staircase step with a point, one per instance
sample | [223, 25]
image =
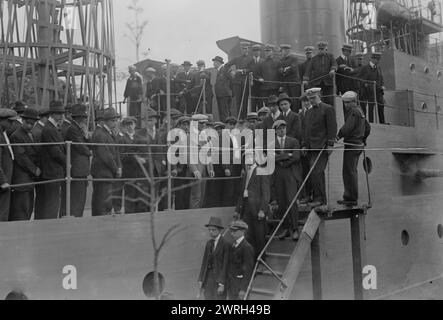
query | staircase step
[263, 292]
[268, 273]
[278, 255]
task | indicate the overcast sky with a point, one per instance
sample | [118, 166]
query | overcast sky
[185, 29]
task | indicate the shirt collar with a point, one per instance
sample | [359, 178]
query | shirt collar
[372, 64]
[239, 241]
[107, 128]
[53, 122]
[41, 123]
[344, 57]
[277, 114]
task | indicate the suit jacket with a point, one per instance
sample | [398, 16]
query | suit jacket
[288, 158]
[26, 159]
[321, 127]
[106, 159]
[356, 129]
[223, 84]
[318, 69]
[6, 165]
[345, 83]
[184, 80]
[259, 193]
[153, 147]
[303, 67]
[241, 265]
[293, 125]
[269, 70]
[64, 128]
[80, 154]
[134, 88]
[52, 157]
[269, 121]
[219, 263]
[290, 69]
[241, 63]
[130, 166]
[37, 132]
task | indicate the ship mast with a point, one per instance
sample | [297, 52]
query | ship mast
[57, 49]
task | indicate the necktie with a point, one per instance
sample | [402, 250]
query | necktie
[31, 136]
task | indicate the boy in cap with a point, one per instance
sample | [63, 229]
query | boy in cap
[370, 74]
[7, 157]
[241, 262]
[26, 168]
[214, 269]
[355, 132]
[321, 71]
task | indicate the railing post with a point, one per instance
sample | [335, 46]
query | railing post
[204, 96]
[436, 111]
[375, 115]
[68, 178]
[168, 107]
[250, 78]
[334, 90]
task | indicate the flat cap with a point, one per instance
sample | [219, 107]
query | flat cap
[231, 120]
[269, 47]
[272, 100]
[8, 114]
[322, 44]
[264, 110]
[201, 118]
[277, 124]
[128, 120]
[256, 47]
[183, 119]
[239, 225]
[350, 96]
[252, 116]
[285, 46]
[347, 47]
[220, 125]
[313, 92]
[245, 44]
[309, 49]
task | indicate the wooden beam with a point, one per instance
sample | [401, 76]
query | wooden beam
[358, 253]
[317, 252]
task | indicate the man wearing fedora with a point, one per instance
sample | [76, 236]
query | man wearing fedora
[321, 71]
[241, 262]
[320, 134]
[293, 123]
[53, 162]
[80, 158]
[347, 68]
[223, 90]
[274, 115]
[26, 168]
[106, 163]
[214, 269]
[370, 74]
[242, 67]
[7, 118]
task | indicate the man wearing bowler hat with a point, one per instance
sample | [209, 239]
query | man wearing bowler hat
[243, 66]
[53, 162]
[214, 269]
[106, 163]
[241, 262]
[371, 75]
[223, 90]
[80, 158]
[7, 117]
[26, 169]
[320, 72]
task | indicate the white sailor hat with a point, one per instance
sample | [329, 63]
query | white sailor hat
[350, 96]
[313, 92]
[151, 69]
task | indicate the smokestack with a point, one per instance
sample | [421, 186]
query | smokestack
[303, 22]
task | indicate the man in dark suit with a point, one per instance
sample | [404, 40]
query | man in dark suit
[309, 50]
[53, 162]
[214, 269]
[243, 66]
[134, 92]
[355, 132]
[291, 76]
[223, 90]
[320, 133]
[253, 204]
[287, 178]
[241, 262]
[7, 117]
[346, 71]
[184, 83]
[200, 77]
[106, 163]
[80, 159]
[370, 74]
[293, 123]
[26, 170]
[268, 73]
[275, 114]
[37, 136]
[258, 100]
[321, 71]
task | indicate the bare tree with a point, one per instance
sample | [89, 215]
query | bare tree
[137, 27]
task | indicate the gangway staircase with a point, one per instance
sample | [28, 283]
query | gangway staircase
[279, 284]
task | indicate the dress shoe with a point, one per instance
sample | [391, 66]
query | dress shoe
[296, 235]
[284, 235]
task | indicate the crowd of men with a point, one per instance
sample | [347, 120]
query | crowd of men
[272, 74]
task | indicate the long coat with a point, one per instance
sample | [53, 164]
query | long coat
[219, 263]
[106, 159]
[259, 193]
[290, 68]
[317, 70]
[269, 70]
[293, 125]
[289, 157]
[321, 127]
[240, 268]
[223, 84]
[53, 157]
[345, 82]
[26, 159]
[80, 154]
